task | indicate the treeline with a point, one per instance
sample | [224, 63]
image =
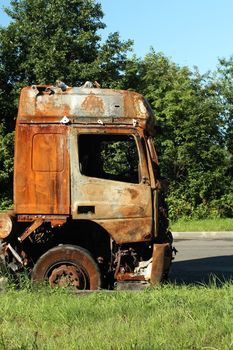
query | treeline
[60, 39]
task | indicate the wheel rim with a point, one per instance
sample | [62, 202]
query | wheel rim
[67, 266]
[67, 275]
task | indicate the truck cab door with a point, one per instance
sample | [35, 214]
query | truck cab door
[110, 183]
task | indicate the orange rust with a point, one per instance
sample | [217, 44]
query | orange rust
[59, 181]
[160, 263]
[129, 277]
[93, 104]
[51, 218]
[57, 222]
[41, 170]
[32, 228]
[80, 105]
[133, 193]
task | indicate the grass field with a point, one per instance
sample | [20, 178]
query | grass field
[184, 225]
[168, 317]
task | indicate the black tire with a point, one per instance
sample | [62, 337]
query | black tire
[68, 265]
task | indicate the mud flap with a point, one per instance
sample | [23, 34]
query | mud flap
[161, 262]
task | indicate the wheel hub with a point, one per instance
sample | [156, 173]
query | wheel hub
[66, 276]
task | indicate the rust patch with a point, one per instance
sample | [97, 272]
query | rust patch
[41, 173]
[93, 104]
[49, 104]
[159, 263]
[61, 219]
[32, 228]
[129, 277]
[133, 193]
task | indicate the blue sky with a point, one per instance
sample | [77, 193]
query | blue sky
[189, 32]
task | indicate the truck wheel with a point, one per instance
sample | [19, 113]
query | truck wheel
[67, 266]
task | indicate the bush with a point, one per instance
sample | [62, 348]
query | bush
[6, 203]
[216, 208]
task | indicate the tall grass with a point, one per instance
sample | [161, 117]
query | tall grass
[168, 317]
[218, 224]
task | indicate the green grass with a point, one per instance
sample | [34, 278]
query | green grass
[185, 225]
[168, 317]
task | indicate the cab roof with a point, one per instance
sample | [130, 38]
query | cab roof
[43, 104]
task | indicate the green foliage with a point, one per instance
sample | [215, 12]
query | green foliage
[193, 138]
[46, 41]
[49, 40]
[187, 116]
[120, 158]
[6, 167]
[180, 207]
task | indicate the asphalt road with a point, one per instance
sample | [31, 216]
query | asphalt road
[199, 258]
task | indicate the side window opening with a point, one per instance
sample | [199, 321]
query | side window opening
[112, 157]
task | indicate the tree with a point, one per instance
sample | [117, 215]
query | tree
[57, 39]
[224, 86]
[50, 40]
[190, 141]
[7, 113]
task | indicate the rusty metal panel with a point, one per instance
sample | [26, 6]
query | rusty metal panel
[47, 104]
[161, 262]
[128, 231]
[124, 209]
[41, 170]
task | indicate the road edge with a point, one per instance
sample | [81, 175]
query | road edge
[203, 234]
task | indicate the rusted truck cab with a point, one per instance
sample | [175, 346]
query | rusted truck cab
[88, 196]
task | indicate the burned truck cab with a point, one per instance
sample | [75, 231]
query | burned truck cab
[88, 207]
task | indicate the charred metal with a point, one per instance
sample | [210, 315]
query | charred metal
[89, 208]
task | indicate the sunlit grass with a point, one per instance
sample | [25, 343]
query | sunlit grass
[167, 317]
[217, 224]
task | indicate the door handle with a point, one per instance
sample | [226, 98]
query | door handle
[86, 209]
